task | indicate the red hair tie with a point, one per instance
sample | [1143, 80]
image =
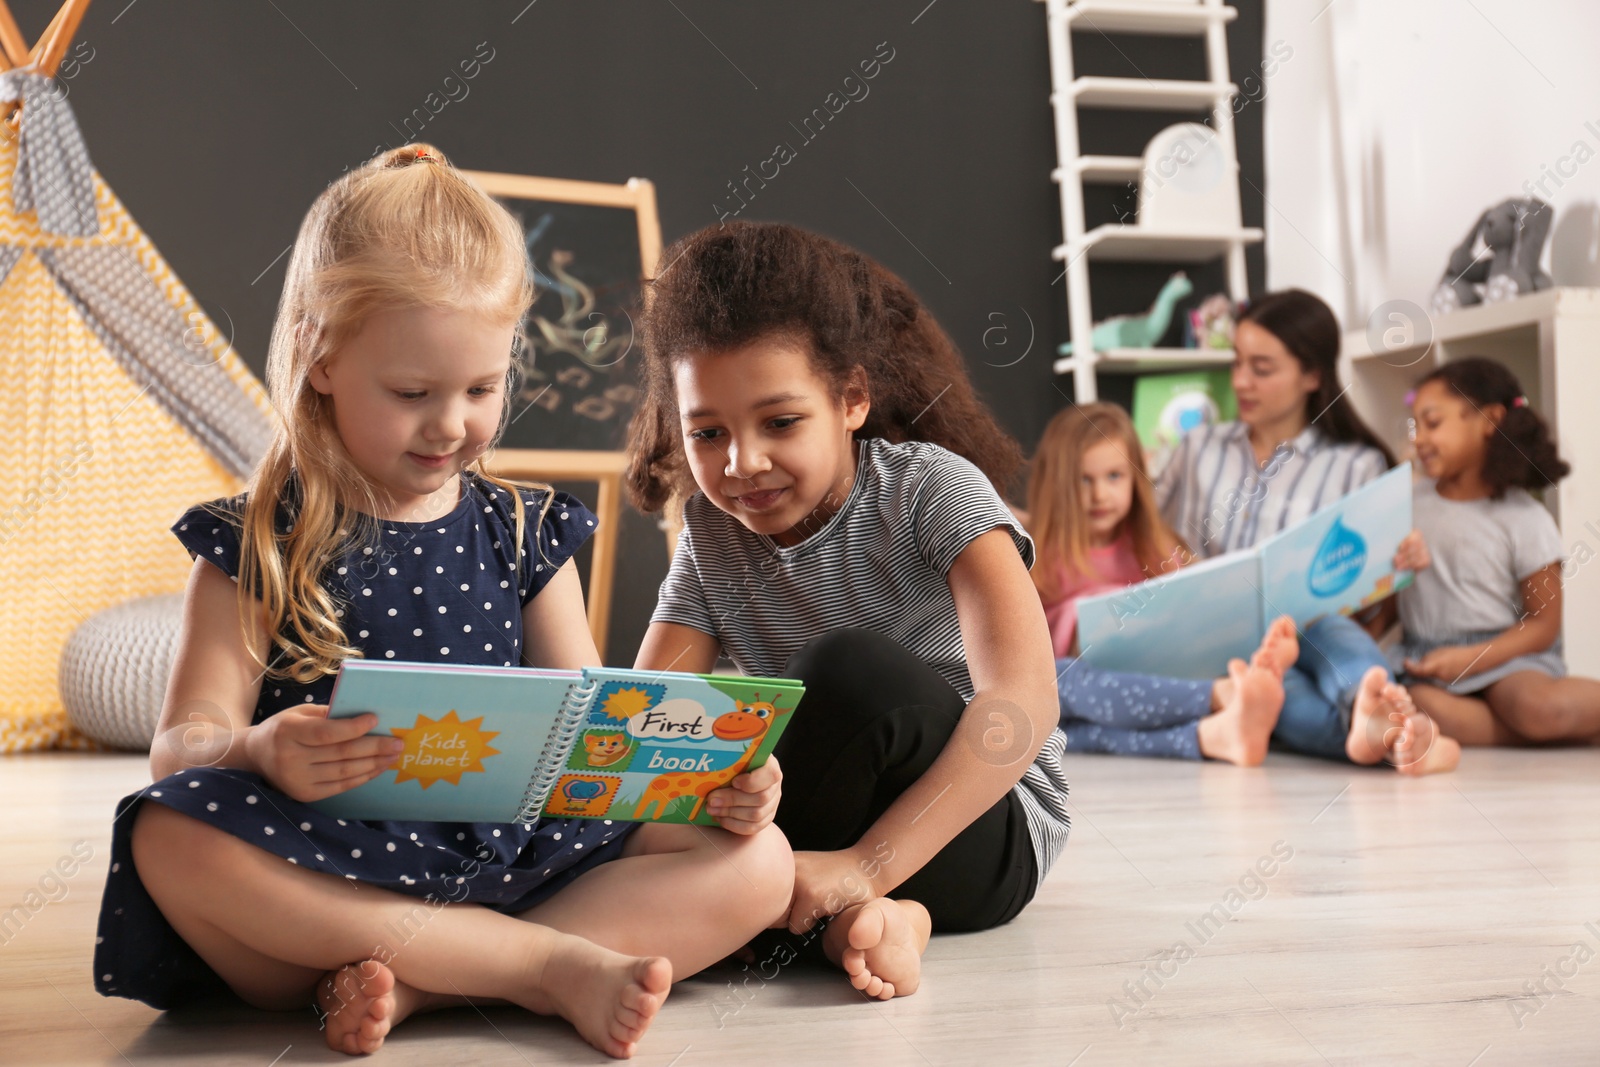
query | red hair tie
[1519, 402]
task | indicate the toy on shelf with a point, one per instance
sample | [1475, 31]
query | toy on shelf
[1211, 324]
[1499, 259]
[1139, 331]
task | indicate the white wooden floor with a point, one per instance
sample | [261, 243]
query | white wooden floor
[1414, 922]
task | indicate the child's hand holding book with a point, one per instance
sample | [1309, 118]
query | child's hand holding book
[748, 803]
[1413, 554]
[306, 755]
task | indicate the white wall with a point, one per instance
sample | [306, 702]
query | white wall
[1390, 126]
[1394, 123]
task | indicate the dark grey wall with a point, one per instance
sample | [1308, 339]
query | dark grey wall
[217, 124]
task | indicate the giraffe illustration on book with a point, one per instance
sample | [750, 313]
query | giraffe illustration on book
[747, 722]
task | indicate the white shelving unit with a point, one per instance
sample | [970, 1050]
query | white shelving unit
[1132, 242]
[1551, 341]
[1154, 360]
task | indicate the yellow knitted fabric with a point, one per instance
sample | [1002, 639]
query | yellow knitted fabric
[92, 470]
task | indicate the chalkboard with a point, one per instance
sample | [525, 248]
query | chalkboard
[589, 245]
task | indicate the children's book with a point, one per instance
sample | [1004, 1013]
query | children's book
[513, 744]
[1188, 624]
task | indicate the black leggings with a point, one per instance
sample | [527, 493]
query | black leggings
[872, 721]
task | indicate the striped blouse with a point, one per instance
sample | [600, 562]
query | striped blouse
[880, 563]
[1216, 497]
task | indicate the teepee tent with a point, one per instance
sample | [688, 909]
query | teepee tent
[124, 404]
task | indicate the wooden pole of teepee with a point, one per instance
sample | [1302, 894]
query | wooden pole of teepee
[52, 47]
[38, 46]
[11, 39]
[46, 55]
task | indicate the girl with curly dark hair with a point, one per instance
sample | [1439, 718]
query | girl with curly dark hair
[1482, 620]
[843, 525]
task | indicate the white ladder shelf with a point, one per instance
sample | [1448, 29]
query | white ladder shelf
[1130, 242]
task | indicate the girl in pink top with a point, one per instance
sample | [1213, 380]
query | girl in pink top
[1096, 528]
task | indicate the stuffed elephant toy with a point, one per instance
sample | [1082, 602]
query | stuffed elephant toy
[1513, 232]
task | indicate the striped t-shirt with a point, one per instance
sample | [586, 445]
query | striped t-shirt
[880, 563]
[1217, 498]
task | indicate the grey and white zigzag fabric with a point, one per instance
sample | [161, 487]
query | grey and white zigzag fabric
[146, 335]
[54, 178]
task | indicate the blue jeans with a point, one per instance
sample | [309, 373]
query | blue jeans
[1320, 690]
[1124, 714]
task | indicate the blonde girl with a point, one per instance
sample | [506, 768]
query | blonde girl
[372, 528]
[1092, 513]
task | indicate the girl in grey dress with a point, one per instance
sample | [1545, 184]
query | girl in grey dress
[1482, 621]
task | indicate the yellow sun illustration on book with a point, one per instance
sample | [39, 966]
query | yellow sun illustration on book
[625, 703]
[442, 749]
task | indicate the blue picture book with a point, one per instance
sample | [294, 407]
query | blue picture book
[510, 744]
[1188, 624]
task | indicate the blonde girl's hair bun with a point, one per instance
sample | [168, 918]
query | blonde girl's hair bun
[406, 155]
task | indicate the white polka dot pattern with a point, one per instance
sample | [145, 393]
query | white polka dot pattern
[508, 867]
[447, 583]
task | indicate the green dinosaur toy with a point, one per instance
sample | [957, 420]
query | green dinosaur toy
[1139, 331]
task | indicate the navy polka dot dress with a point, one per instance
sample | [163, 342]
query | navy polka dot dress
[446, 591]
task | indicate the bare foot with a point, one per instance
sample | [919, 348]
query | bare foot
[358, 1007]
[610, 998]
[880, 945]
[1280, 648]
[362, 1002]
[1420, 748]
[1277, 653]
[1240, 731]
[1374, 724]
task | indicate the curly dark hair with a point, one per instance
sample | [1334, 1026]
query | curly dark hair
[1522, 454]
[727, 286]
[1310, 331]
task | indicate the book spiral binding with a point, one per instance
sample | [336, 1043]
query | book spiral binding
[574, 711]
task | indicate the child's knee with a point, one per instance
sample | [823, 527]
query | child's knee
[765, 866]
[1561, 723]
[156, 826]
[161, 836]
[1546, 718]
[776, 860]
[848, 652]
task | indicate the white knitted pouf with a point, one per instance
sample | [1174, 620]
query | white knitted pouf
[114, 669]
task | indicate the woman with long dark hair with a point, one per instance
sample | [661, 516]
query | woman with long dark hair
[1298, 446]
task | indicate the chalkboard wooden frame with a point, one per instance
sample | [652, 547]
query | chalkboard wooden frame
[636, 193]
[603, 467]
[592, 246]
[605, 470]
